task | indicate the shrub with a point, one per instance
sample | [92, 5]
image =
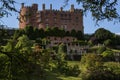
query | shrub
[101, 49]
[108, 55]
[108, 42]
[63, 68]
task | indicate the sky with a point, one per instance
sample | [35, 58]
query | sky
[89, 24]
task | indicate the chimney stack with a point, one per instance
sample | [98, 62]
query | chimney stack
[22, 4]
[61, 8]
[50, 6]
[43, 7]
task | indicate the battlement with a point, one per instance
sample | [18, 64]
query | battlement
[35, 6]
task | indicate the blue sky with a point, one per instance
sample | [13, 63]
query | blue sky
[89, 24]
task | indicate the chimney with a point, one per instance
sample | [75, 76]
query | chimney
[43, 7]
[50, 6]
[61, 8]
[22, 4]
[72, 8]
[35, 6]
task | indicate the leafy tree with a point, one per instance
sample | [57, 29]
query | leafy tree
[79, 35]
[101, 49]
[100, 9]
[108, 42]
[67, 33]
[4, 67]
[108, 55]
[73, 33]
[91, 61]
[93, 68]
[29, 31]
[102, 34]
[115, 68]
[41, 33]
[24, 44]
[6, 6]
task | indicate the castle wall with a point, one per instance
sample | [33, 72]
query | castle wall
[68, 20]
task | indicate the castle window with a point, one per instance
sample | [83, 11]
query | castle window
[55, 19]
[46, 19]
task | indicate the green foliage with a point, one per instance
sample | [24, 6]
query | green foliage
[102, 34]
[81, 42]
[97, 74]
[114, 67]
[91, 61]
[101, 49]
[6, 6]
[9, 47]
[4, 67]
[108, 42]
[108, 55]
[24, 44]
[106, 9]
[93, 69]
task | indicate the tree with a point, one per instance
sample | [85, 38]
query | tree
[108, 55]
[79, 35]
[6, 6]
[93, 68]
[73, 33]
[108, 42]
[100, 9]
[102, 34]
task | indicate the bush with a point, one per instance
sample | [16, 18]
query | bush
[108, 55]
[108, 42]
[63, 68]
[115, 69]
[97, 74]
[101, 49]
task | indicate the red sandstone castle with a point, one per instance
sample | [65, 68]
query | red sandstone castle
[68, 20]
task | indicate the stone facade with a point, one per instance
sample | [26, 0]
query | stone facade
[68, 20]
[73, 48]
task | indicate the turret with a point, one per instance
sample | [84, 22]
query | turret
[72, 8]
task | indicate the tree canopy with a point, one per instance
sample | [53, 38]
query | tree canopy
[6, 6]
[100, 9]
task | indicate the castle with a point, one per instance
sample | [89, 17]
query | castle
[67, 20]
